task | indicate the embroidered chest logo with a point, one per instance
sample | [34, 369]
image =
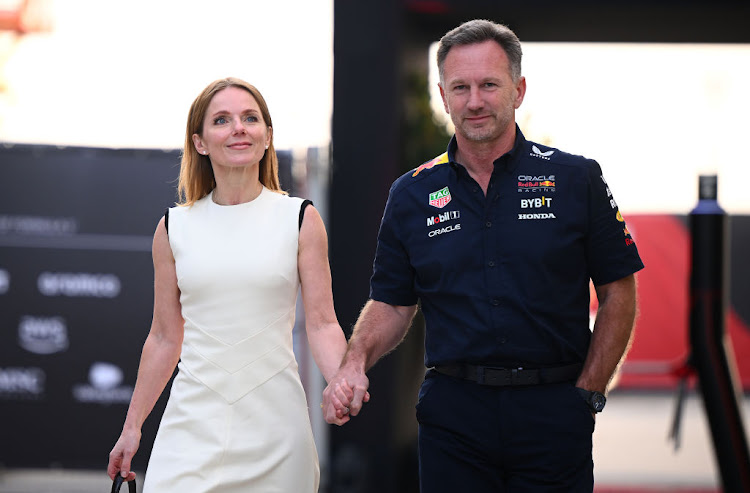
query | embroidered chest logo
[440, 219]
[536, 184]
[440, 198]
[443, 217]
[536, 203]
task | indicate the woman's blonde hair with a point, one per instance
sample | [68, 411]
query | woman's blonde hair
[196, 175]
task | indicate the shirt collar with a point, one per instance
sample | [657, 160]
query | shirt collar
[507, 160]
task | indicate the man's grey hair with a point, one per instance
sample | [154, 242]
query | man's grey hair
[478, 31]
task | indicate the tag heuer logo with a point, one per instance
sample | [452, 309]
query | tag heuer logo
[440, 198]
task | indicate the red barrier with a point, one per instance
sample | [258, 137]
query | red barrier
[660, 347]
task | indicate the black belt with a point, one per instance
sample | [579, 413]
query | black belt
[501, 377]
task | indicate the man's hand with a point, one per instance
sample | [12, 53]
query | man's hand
[379, 328]
[345, 395]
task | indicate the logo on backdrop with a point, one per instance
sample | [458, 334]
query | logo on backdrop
[21, 383]
[4, 281]
[43, 335]
[104, 386]
[78, 284]
[37, 225]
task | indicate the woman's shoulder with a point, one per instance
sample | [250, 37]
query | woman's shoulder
[283, 199]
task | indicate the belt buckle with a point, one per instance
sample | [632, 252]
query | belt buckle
[515, 377]
[494, 376]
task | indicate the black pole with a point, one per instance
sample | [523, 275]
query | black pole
[368, 453]
[710, 345]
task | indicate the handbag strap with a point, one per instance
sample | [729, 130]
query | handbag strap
[117, 484]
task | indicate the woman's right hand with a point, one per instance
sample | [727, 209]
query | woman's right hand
[122, 454]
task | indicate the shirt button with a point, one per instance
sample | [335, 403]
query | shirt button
[491, 263]
[495, 302]
[488, 224]
[502, 340]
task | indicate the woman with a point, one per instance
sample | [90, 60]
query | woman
[228, 262]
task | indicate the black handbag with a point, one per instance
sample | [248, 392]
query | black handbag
[117, 484]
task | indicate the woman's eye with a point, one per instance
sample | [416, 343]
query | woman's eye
[251, 118]
[220, 120]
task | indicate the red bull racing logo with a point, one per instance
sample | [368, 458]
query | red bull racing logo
[543, 183]
[441, 159]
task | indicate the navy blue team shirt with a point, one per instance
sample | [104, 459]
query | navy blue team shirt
[503, 279]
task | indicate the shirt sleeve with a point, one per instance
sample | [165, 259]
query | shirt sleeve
[392, 280]
[610, 249]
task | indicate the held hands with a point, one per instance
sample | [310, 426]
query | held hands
[345, 395]
[122, 454]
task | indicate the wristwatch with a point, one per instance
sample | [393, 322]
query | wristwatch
[594, 399]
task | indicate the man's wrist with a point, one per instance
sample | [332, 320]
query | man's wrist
[354, 361]
[593, 398]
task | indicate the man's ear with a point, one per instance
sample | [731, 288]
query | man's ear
[520, 91]
[442, 95]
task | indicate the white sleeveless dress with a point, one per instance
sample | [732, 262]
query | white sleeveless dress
[237, 417]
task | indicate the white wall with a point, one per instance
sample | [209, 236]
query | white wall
[655, 116]
[123, 74]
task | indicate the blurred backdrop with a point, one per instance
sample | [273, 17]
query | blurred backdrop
[93, 101]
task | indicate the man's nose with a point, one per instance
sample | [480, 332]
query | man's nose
[475, 98]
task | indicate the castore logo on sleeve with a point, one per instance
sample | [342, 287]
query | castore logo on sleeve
[540, 154]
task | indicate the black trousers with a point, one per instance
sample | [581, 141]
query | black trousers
[481, 439]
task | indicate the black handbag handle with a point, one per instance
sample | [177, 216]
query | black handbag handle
[117, 484]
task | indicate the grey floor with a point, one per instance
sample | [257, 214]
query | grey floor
[631, 451]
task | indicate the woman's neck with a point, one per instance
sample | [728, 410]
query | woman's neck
[236, 185]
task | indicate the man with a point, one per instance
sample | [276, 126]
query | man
[498, 238]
